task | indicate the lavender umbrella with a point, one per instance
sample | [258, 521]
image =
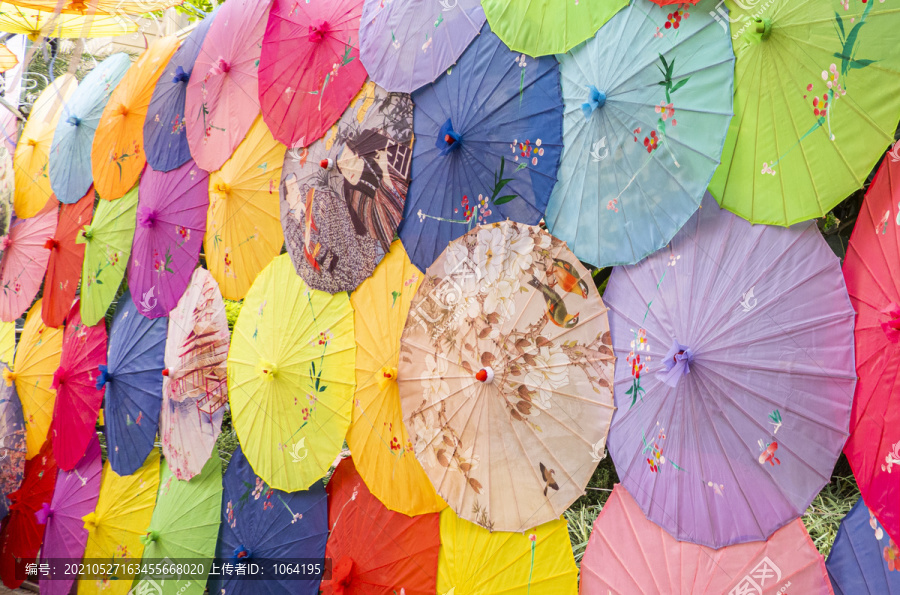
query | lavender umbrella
[75, 496]
[735, 376]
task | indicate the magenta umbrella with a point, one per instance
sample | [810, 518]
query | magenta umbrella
[171, 221]
[25, 258]
[75, 496]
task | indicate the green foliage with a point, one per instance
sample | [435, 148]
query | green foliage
[828, 509]
[232, 311]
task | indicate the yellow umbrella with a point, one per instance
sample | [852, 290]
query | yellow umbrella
[8, 59]
[32, 157]
[7, 342]
[37, 359]
[120, 519]
[474, 561]
[100, 7]
[243, 226]
[290, 377]
[382, 451]
[38, 21]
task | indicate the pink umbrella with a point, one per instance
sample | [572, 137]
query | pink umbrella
[222, 96]
[309, 70]
[171, 221]
[25, 256]
[75, 382]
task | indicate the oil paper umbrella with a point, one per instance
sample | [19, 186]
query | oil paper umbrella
[474, 560]
[542, 27]
[107, 242]
[290, 377]
[12, 444]
[171, 220]
[78, 399]
[404, 46]
[70, 152]
[735, 386]
[118, 153]
[405, 556]
[825, 67]
[243, 231]
[222, 96]
[8, 59]
[133, 384]
[864, 558]
[505, 376]
[184, 527]
[66, 260]
[7, 342]
[195, 387]
[342, 199]
[65, 537]
[650, 128]
[309, 68]
[260, 524]
[26, 251]
[378, 439]
[871, 270]
[482, 157]
[37, 20]
[627, 553]
[117, 8]
[116, 525]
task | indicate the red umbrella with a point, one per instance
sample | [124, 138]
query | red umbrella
[22, 535]
[24, 262]
[66, 258]
[75, 382]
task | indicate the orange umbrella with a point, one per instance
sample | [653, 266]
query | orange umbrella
[8, 59]
[117, 155]
[66, 258]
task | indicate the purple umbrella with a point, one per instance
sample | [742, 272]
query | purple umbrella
[75, 496]
[735, 376]
[171, 221]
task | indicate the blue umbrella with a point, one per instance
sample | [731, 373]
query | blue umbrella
[259, 523]
[488, 141]
[70, 152]
[12, 443]
[863, 558]
[164, 139]
[133, 379]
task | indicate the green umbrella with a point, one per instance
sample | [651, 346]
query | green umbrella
[108, 240]
[815, 104]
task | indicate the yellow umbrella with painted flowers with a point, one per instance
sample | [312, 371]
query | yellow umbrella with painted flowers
[99, 7]
[382, 451]
[290, 377]
[36, 21]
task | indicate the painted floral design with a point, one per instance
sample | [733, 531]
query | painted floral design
[892, 458]
[892, 557]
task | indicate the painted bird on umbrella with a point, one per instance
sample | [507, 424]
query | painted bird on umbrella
[556, 307]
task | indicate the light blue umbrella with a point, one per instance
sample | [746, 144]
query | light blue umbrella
[70, 153]
[646, 112]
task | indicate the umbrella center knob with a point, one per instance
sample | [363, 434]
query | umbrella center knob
[891, 328]
[447, 138]
[59, 378]
[150, 536]
[267, 370]
[763, 27]
[388, 375]
[103, 377]
[9, 376]
[165, 372]
[596, 100]
[52, 244]
[327, 164]
[122, 109]
[485, 375]
[73, 120]
[87, 233]
[91, 520]
[241, 553]
[146, 218]
[32, 142]
[181, 76]
[5, 243]
[318, 30]
[223, 188]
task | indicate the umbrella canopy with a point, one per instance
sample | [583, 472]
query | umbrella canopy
[66, 260]
[8, 59]
[505, 374]
[864, 558]
[378, 438]
[100, 7]
[7, 342]
[643, 139]
[243, 229]
[115, 528]
[267, 524]
[309, 68]
[871, 269]
[735, 379]
[24, 261]
[78, 399]
[474, 560]
[542, 27]
[184, 525]
[290, 399]
[32, 158]
[339, 220]
[222, 96]
[482, 157]
[37, 358]
[376, 550]
[195, 387]
[75, 495]
[165, 138]
[826, 67]
[133, 380]
[627, 553]
[70, 152]
[404, 46]
[12, 443]
[118, 153]
[171, 221]
[22, 534]
[107, 248]
[37, 21]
